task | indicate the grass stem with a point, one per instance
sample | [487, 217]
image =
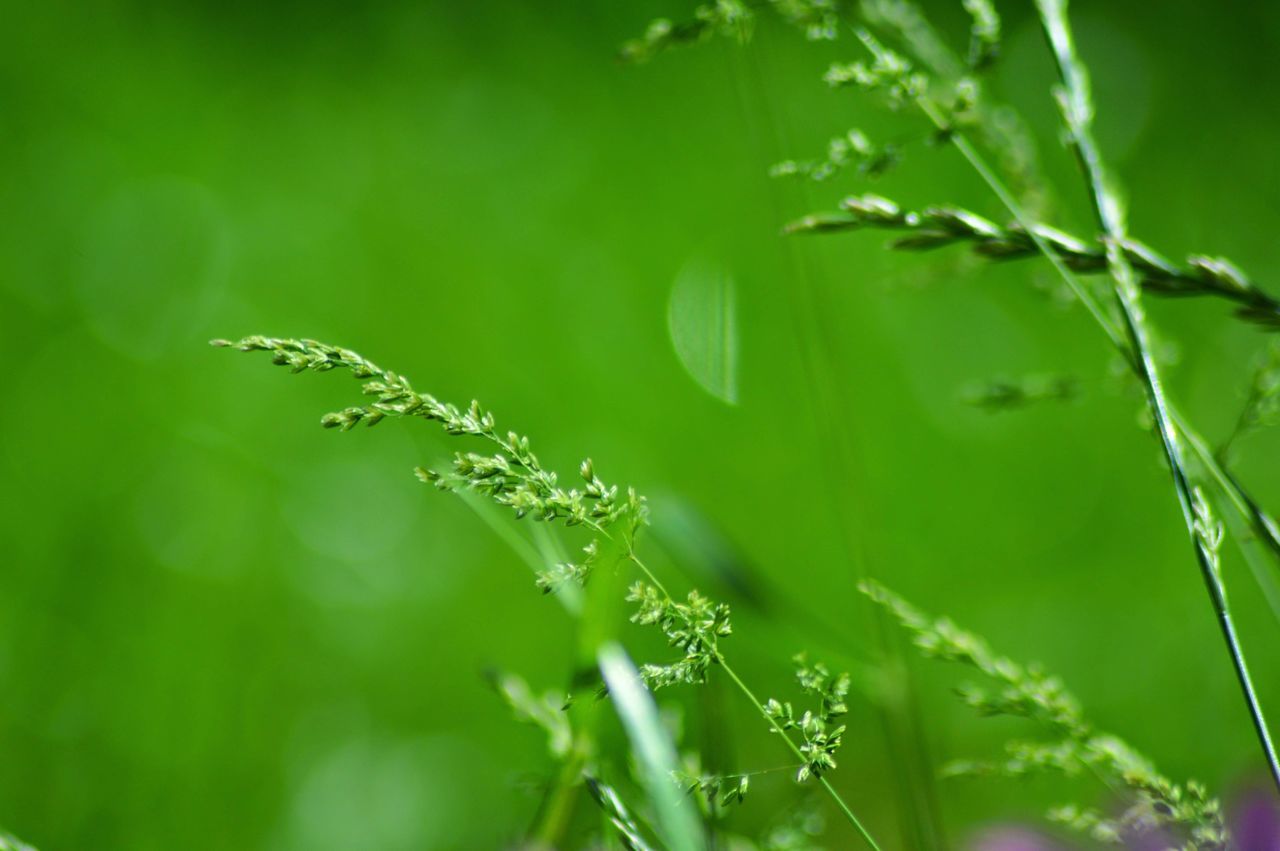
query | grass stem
[1077, 113]
[777, 728]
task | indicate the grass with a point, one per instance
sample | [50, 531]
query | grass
[1127, 326]
[1077, 113]
[514, 478]
[654, 801]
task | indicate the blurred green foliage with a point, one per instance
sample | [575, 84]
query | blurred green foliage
[222, 627]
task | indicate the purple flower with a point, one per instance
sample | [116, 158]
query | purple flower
[1255, 821]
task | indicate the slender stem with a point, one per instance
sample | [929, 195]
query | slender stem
[777, 728]
[559, 805]
[648, 574]
[826, 784]
[1077, 109]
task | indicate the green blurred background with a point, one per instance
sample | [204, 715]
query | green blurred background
[223, 627]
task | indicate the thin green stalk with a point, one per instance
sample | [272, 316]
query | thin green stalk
[777, 728]
[1077, 110]
[553, 822]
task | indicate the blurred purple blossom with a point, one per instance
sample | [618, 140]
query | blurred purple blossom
[1255, 821]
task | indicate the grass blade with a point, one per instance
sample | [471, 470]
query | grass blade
[653, 750]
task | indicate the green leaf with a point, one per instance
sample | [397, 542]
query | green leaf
[653, 749]
[703, 322]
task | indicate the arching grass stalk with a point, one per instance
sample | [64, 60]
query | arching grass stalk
[1076, 106]
[514, 478]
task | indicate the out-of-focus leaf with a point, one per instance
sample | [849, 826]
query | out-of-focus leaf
[702, 319]
[653, 749]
